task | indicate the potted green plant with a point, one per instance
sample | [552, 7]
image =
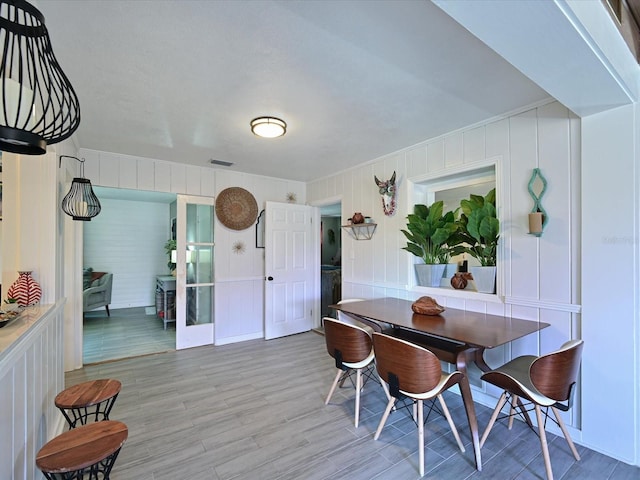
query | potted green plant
[478, 235]
[169, 247]
[430, 234]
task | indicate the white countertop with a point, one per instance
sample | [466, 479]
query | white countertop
[11, 332]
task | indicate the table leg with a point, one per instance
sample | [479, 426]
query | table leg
[465, 390]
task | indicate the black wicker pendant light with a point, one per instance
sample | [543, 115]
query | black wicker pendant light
[80, 203]
[37, 103]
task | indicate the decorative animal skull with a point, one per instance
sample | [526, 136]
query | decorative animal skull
[388, 192]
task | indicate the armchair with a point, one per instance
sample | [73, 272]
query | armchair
[99, 293]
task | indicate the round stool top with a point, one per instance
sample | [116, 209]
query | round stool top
[81, 447]
[88, 393]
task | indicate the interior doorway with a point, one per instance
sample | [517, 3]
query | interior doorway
[127, 241]
[331, 256]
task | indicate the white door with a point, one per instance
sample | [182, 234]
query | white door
[194, 271]
[291, 265]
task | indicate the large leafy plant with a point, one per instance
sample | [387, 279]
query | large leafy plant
[430, 233]
[479, 230]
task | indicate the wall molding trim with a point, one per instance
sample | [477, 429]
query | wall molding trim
[532, 302]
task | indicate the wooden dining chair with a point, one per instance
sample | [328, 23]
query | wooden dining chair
[352, 349]
[547, 381]
[413, 372]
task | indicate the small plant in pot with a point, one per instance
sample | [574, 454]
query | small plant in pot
[478, 236]
[430, 234]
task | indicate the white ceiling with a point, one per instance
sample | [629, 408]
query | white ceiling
[180, 80]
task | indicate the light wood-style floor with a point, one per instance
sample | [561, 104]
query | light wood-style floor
[255, 410]
[128, 332]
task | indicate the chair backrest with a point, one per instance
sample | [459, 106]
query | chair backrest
[353, 342]
[417, 369]
[553, 374]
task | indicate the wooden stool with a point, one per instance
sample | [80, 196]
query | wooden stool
[94, 398]
[87, 450]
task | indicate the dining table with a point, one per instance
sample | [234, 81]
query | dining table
[458, 337]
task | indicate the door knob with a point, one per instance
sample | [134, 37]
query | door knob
[269, 278]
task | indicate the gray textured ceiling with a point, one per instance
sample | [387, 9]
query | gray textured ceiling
[354, 80]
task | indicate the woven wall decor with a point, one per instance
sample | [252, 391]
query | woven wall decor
[236, 208]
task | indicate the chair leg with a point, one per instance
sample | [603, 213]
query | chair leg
[452, 425]
[543, 443]
[385, 415]
[421, 436]
[494, 415]
[333, 386]
[108, 313]
[358, 388]
[384, 386]
[512, 410]
[567, 437]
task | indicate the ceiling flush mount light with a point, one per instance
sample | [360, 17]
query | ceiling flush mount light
[268, 127]
[38, 105]
[80, 203]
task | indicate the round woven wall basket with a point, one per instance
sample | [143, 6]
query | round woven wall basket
[236, 208]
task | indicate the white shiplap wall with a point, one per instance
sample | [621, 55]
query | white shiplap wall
[127, 239]
[537, 276]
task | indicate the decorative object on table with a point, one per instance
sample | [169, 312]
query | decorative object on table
[538, 217]
[459, 281]
[357, 218]
[6, 317]
[236, 208]
[80, 203]
[478, 235]
[41, 106]
[292, 197]
[427, 306]
[25, 290]
[9, 311]
[238, 247]
[387, 190]
[431, 236]
[268, 127]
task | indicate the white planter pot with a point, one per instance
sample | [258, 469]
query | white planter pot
[484, 278]
[429, 275]
[451, 270]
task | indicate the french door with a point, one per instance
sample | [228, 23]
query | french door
[194, 272]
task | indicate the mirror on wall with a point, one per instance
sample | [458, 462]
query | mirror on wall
[451, 188]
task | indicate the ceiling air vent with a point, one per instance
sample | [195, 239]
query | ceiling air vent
[222, 163]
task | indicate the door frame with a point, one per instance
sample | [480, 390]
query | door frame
[323, 202]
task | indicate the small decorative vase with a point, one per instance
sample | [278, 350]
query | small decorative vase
[25, 290]
[458, 281]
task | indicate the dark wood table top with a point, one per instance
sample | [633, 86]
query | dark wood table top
[82, 447]
[469, 328]
[88, 393]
